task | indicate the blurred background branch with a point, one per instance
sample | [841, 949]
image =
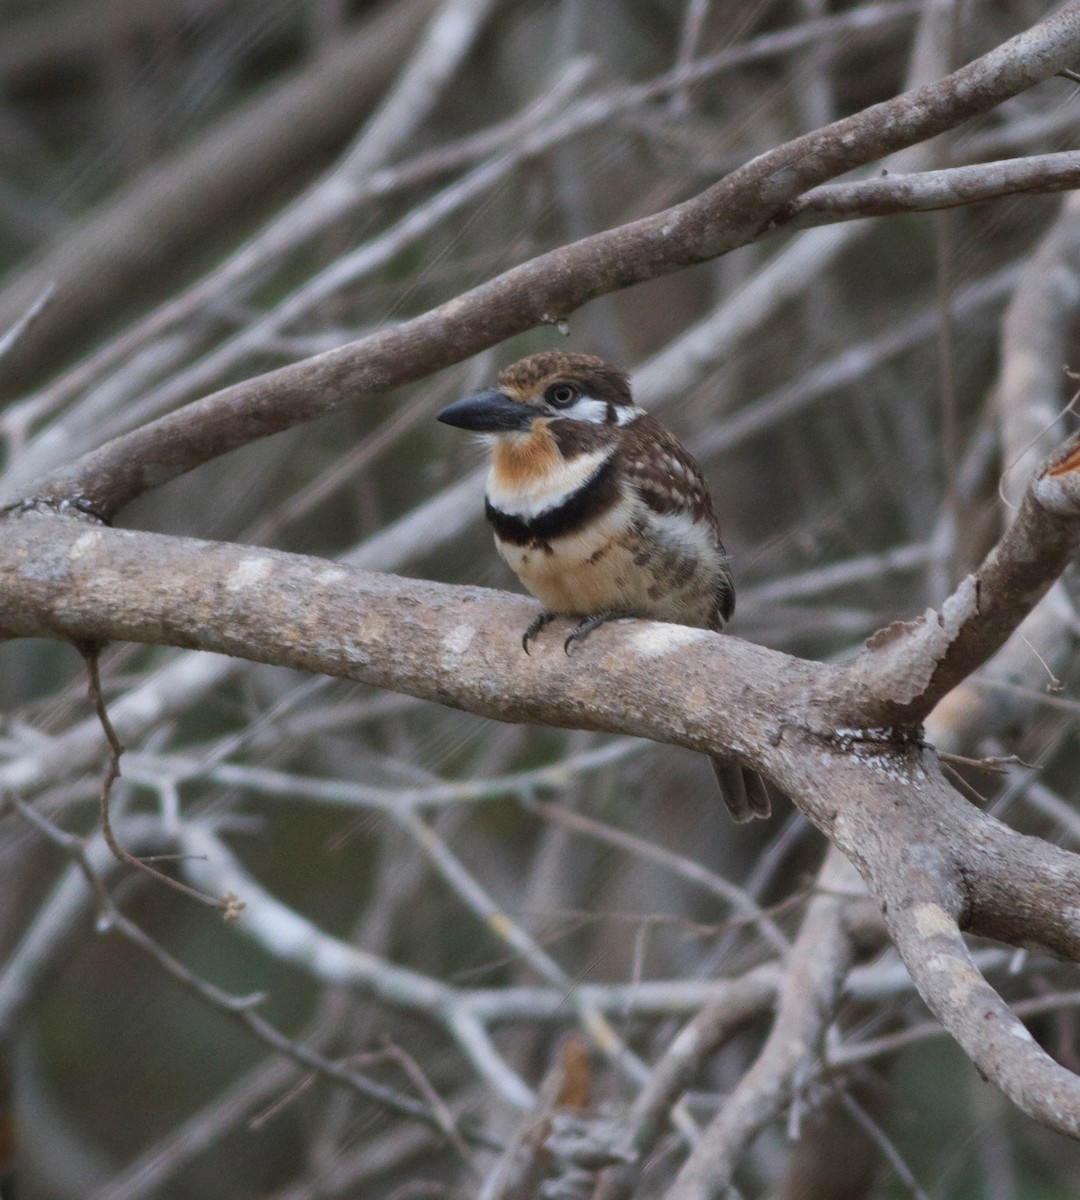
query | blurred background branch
[220, 188]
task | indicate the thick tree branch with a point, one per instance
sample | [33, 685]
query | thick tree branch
[72, 579]
[907, 668]
[850, 740]
[881, 800]
[923, 893]
[342, 192]
[1030, 401]
[731, 213]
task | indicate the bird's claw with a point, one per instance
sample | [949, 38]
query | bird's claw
[538, 623]
[586, 625]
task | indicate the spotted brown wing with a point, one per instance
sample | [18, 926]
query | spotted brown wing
[668, 479]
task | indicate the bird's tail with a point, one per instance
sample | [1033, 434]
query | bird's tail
[742, 790]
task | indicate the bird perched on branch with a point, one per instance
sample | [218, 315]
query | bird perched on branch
[601, 512]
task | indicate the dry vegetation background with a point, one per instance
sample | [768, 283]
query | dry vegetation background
[196, 191]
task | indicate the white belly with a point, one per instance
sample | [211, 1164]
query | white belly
[666, 571]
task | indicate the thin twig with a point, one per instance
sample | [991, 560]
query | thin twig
[11, 338]
[748, 909]
[228, 905]
[884, 1143]
[240, 1008]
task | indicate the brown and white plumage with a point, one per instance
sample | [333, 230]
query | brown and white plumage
[600, 511]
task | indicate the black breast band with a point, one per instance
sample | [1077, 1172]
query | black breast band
[595, 496]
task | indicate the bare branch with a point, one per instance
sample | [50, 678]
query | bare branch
[626, 910]
[709, 692]
[907, 668]
[731, 213]
[227, 904]
[342, 191]
[929, 191]
[746, 1000]
[204, 185]
[819, 960]
[239, 1008]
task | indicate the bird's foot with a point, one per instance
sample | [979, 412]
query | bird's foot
[545, 618]
[587, 624]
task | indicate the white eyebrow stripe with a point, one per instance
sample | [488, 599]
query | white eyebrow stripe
[595, 412]
[588, 408]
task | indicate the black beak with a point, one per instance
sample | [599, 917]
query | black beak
[488, 412]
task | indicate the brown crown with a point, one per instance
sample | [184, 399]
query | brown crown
[591, 375]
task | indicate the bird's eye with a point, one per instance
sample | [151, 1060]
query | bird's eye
[561, 395]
